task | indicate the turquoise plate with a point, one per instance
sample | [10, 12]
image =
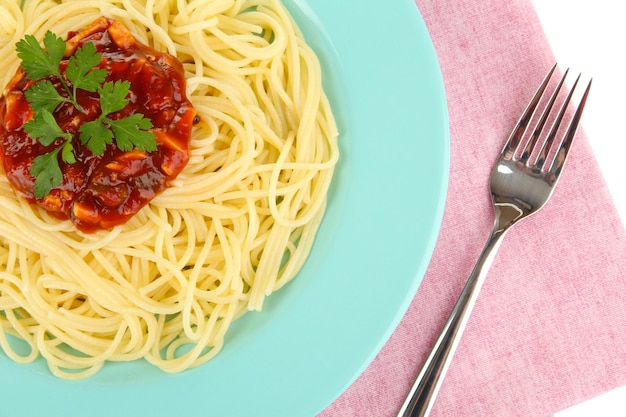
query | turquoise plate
[317, 334]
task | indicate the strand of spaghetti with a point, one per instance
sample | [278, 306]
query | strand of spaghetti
[193, 280]
[161, 39]
[304, 245]
[11, 32]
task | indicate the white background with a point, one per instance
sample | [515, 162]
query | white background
[589, 36]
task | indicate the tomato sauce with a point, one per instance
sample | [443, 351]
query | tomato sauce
[99, 192]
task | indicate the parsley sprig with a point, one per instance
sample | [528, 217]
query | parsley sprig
[43, 64]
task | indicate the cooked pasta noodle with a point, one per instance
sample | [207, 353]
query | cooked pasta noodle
[236, 225]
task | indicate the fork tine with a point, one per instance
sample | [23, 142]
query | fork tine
[547, 144]
[512, 144]
[532, 142]
[566, 144]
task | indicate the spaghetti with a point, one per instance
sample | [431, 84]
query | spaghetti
[235, 225]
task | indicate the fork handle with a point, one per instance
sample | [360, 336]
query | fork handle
[422, 395]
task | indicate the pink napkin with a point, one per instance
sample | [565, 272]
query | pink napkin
[549, 328]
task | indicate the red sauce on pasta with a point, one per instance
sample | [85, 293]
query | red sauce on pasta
[98, 192]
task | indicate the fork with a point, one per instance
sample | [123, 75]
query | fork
[522, 181]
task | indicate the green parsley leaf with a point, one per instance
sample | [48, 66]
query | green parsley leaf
[47, 173]
[37, 62]
[45, 128]
[43, 95]
[55, 47]
[79, 69]
[129, 132]
[113, 96]
[96, 135]
[133, 132]
[67, 153]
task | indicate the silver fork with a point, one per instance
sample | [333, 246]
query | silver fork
[522, 181]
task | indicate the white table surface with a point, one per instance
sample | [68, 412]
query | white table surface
[589, 36]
